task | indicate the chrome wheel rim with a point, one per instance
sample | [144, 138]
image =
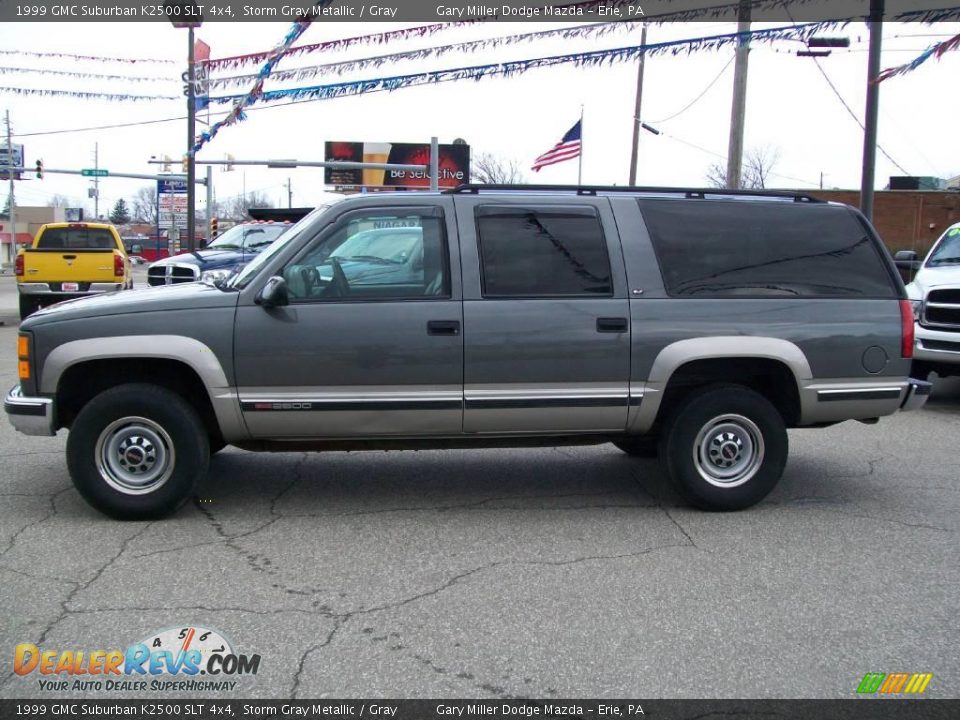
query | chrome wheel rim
[728, 450]
[135, 455]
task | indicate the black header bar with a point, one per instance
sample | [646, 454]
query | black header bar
[431, 11]
[58, 708]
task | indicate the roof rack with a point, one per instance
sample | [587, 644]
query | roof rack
[691, 193]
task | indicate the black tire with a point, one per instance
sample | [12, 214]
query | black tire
[642, 446]
[137, 423]
[724, 448]
[28, 306]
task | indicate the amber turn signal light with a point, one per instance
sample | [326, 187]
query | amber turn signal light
[23, 347]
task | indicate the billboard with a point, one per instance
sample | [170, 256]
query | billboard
[454, 165]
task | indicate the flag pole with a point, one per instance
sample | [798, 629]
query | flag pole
[580, 158]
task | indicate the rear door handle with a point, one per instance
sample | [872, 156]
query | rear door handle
[69, 257]
[612, 325]
[443, 327]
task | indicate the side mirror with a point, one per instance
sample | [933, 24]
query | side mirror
[274, 293]
[908, 255]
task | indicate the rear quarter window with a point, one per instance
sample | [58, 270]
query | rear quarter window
[76, 239]
[761, 249]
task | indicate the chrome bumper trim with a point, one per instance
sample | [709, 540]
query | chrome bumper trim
[29, 415]
[917, 393]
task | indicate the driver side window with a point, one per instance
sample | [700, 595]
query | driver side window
[390, 253]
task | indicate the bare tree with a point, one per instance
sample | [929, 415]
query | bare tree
[758, 164]
[144, 205]
[235, 208]
[58, 201]
[488, 169]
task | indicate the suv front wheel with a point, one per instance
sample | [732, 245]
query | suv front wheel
[136, 451]
[725, 448]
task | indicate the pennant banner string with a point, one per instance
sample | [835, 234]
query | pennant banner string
[421, 31]
[97, 58]
[934, 51]
[338, 68]
[236, 114]
[113, 97]
[516, 67]
[86, 75]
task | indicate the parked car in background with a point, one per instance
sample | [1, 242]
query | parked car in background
[71, 260]
[221, 258]
[138, 260]
[935, 297]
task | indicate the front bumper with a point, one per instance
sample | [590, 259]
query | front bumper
[29, 415]
[918, 391]
[936, 345]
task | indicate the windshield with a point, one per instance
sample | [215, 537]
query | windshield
[250, 238]
[394, 246]
[947, 250]
[243, 278]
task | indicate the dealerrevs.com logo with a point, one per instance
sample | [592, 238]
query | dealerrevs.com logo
[179, 659]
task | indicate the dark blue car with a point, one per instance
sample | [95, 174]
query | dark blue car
[221, 258]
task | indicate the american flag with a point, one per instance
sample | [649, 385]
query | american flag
[567, 149]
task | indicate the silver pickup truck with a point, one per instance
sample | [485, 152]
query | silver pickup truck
[696, 325]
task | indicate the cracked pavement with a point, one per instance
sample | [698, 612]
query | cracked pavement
[509, 573]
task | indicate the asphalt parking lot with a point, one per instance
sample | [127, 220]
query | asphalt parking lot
[533, 573]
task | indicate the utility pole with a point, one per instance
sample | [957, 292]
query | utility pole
[13, 199]
[191, 132]
[96, 182]
[635, 148]
[289, 194]
[867, 180]
[738, 111]
[209, 200]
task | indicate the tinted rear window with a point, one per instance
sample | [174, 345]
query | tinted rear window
[76, 239]
[722, 248]
[542, 252]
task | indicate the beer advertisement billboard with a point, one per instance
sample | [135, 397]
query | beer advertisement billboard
[454, 165]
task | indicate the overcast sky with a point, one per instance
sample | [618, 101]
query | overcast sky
[791, 109]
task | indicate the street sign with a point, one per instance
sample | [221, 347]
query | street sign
[94, 172]
[172, 203]
[10, 159]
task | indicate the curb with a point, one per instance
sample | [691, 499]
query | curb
[9, 320]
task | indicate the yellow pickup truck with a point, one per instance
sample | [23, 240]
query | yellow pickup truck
[71, 260]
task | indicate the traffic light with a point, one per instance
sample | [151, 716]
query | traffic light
[185, 165]
[166, 163]
[214, 227]
[39, 169]
[230, 160]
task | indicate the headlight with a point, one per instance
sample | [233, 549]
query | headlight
[215, 276]
[917, 306]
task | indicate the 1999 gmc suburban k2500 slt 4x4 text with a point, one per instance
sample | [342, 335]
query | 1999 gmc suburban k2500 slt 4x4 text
[698, 325]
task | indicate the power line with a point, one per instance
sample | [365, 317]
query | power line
[698, 97]
[854, 115]
[724, 158]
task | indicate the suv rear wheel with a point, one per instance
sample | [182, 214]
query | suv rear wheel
[136, 451]
[725, 448]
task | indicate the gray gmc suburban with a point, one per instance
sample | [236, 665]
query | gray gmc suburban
[697, 325]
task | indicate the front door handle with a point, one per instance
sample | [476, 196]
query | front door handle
[443, 327]
[612, 325]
